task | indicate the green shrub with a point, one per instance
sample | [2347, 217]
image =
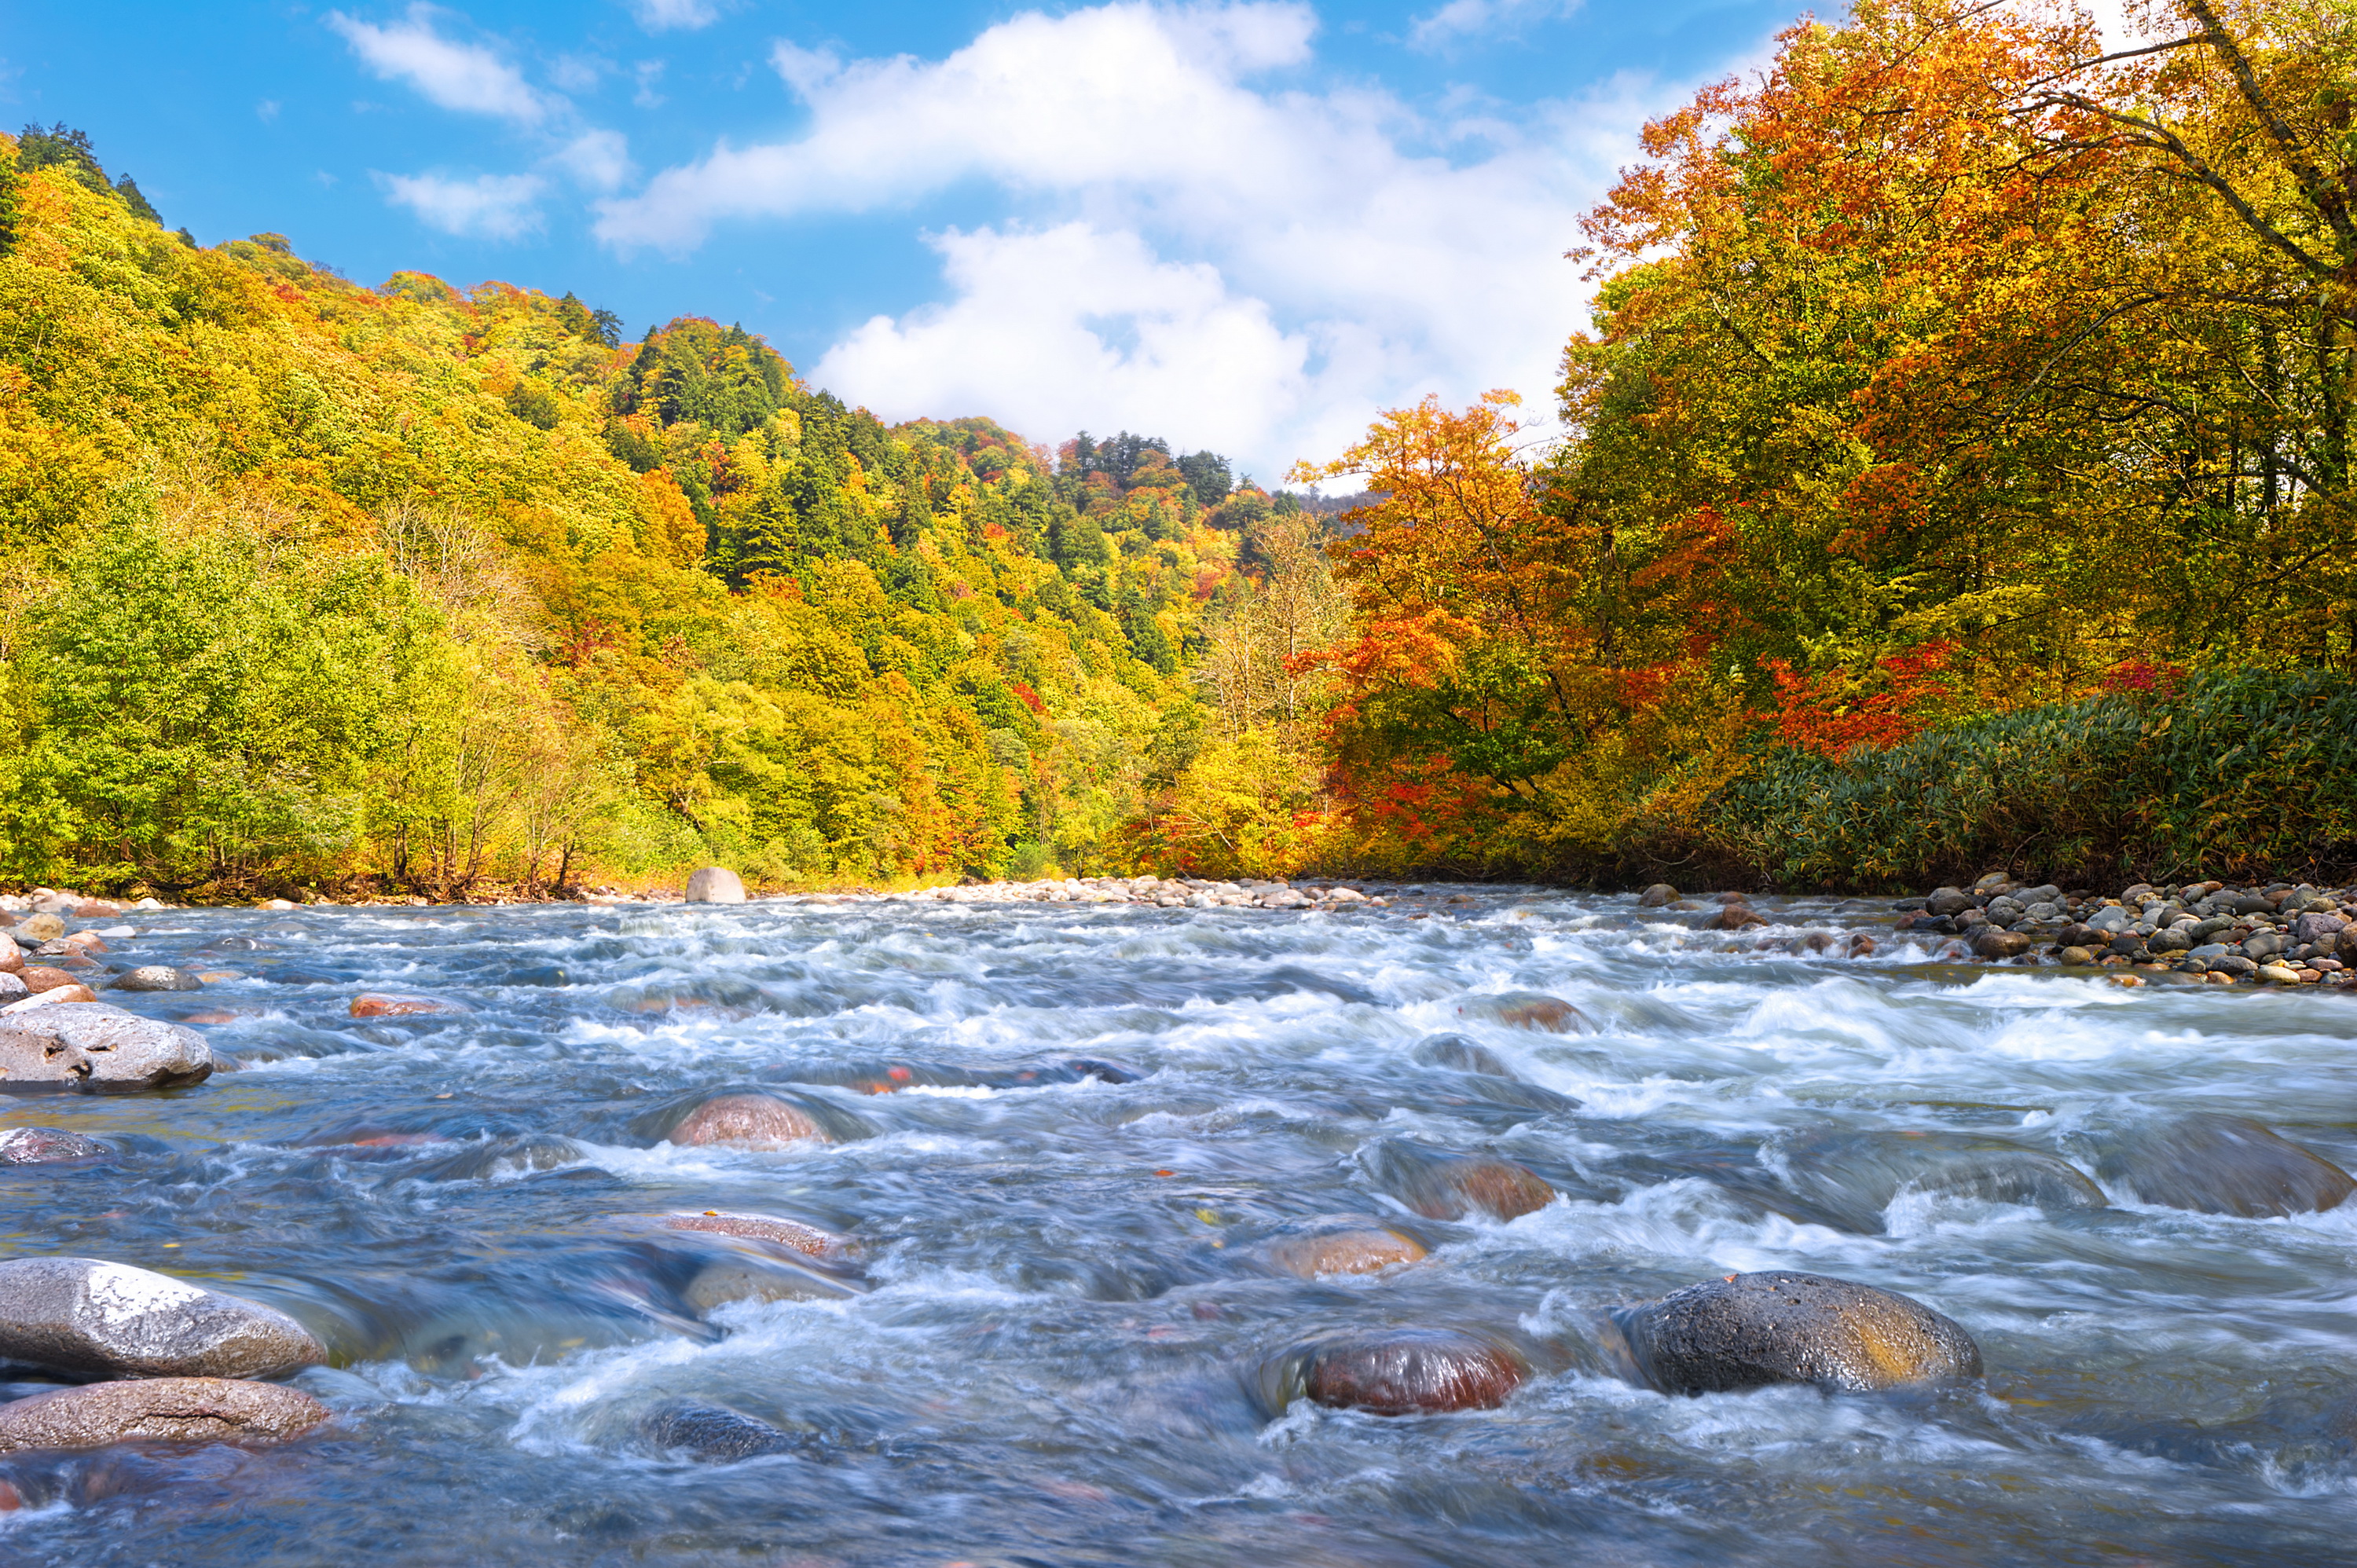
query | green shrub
[2240, 771]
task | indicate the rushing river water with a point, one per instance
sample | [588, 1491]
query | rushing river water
[1047, 1353]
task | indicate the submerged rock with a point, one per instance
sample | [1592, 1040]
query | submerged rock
[2223, 1164]
[753, 1121]
[86, 1316]
[715, 885]
[47, 1145]
[1526, 1010]
[1347, 1247]
[1748, 1331]
[1441, 1185]
[1394, 1371]
[1463, 1055]
[710, 1431]
[1856, 1174]
[748, 1278]
[95, 1049]
[159, 1410]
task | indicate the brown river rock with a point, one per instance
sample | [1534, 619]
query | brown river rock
[159, 1410]
[2223, 1165]
[1748, 1331]
[1526, 1010]
[753, 1121]
[1441, 1185]
[1354, 1249]
[387, 1004]
[1395, 1372]
[793, 1233]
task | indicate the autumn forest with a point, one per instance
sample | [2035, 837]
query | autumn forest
[1957, 472]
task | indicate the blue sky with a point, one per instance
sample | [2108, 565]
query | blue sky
[1240, 226]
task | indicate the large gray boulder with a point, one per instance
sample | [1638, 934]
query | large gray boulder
[715, 885]
[89, 1317]
[98, 1049]
[159, 1410]
[1748, 1331]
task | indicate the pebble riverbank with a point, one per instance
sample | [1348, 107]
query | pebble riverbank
[2279, 934]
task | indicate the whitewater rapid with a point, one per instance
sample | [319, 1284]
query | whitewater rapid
[1047, 1353]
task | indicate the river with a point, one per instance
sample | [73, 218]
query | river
[1046, 1351]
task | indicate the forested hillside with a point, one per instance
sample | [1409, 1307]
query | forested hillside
[1966, 423]
[308, 583]
[1957, 473]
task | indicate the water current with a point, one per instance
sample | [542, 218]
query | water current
[1045, 1353]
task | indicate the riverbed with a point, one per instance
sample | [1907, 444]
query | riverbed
[1068, 1137]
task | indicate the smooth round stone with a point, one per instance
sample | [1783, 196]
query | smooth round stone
[159, 1410]
[390, 1004]
[40, 928]
[793, 1233]
[1996, 944]
[2223, 1164]
[91, 1317]
[1442, 1186]
[46, 1146]
[710, 1431]
[1748, 1331]
[71, 991]
[755, 1120]
[1343, 1250]
[1395, 1372]
[715, 885]
[1659, 896]
[158, 977]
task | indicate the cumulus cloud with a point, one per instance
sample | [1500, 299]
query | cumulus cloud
[1195, 245]
[1052, 328]
[489, 207]
[453, 75]
[661, 15]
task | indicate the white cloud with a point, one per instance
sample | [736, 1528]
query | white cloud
[1468, 18]
[489, 207]
[661, 15]
[1189, 248]
[598, 159]
[453, 75]
[1053, 330]
[804, 70]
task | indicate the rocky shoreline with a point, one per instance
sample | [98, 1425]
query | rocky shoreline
[2280, 934]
